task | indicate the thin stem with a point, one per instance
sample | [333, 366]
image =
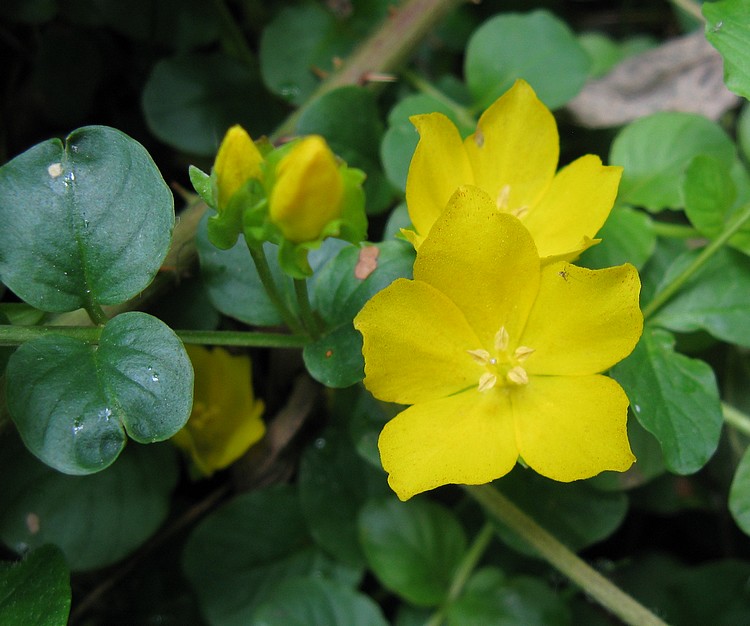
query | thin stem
[735, 417]
[674, 231]
[712, 248]
[239, 43]
[463, 115]
[305, 308]
[591, 582]
[264, 272]
[16, 335]
[690, 7]
[464, 570]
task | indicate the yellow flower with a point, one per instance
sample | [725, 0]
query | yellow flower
[225, 420]
[237, 161]
[499, 355]
[308, 191]
[513, 157]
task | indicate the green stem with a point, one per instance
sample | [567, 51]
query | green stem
[16, 335]
[735, 417]
[464, 570]
[712, 248]
[591, 582]
[674, 231]
[264, 272]
[463, 115]
[239, 43]
[691, 8]
[96, 314]
[306, 312]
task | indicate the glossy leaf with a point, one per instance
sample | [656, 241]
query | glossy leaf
[72, 404]
[739, 494]
[86, 222]
[728, 30]
[627, 237]
[300, 601]
[675, 398]
[412, 547]
[36, 590]
[537, 47]
[95, 520]
[655, 152]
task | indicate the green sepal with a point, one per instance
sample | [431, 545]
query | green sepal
[227, 224]
[203, 185]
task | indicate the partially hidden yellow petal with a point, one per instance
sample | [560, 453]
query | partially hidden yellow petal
[237, 161]
[439, 166]
[484, 261]
[464, 439]
[415, 344]
[574, 208]
[583, 321]
[515, 149]
[572, 427]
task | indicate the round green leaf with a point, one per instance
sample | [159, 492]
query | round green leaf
[627, 237]
[88, 221]
[537, 47]
[36, 590]
[306, 601]
[655, 152]
[95, 520]
[739, 494]
[728, 30]
[335, 359]
[675, 398]
[709, 194]
[190, 101]
[237, 556]
[72, 402]
[412, 547]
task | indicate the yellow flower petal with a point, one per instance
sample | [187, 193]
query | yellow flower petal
[572, 427]
[415, 343]
[583, 321]
[467, 438]
[484, 261]
[514, 151]
[237, 161]
[439, 166]
[575, 206]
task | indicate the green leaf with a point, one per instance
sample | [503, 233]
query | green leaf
[709, 194]
[537, 47]
[728, 30]
[36, 590]
[338, 295]
[655, 152]
[627, 237]
[237, 556]
[95, 520]
[400, 140]
[412, 547]
[675, 398]
[716, 298]
[191, 100]
[303, 601]
[575, 513]
[72, 403]
[202, 185]
[333, 477]
[739, 494]
[85, 222]
[491, 598]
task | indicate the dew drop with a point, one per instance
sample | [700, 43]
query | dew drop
[320, 443]
[77, 425]
[636, 408]
[289, 91]
[105, 413]
[155, 377]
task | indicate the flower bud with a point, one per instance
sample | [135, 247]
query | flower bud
[308, 191]
[237, 161]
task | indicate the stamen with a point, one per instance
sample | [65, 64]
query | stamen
[502, 197]
[518, 376]
[480, 356]
[487, 381]
[520, 212]
[501, 340]
[522, 353]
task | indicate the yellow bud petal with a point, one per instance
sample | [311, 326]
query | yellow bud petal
[237, 161]
[308, 190]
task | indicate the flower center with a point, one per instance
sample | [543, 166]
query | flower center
[502, 366]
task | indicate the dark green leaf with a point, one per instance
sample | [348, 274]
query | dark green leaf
[627, 237]
[655, 152]
[95, 520]
[709, 194]
[491, 598]
[675, 398]
[238, 556]
[739, 494]
[307, 601]
[30, 11]
[412, 547]
[72, 403]
[90, 221]
[335, 359]
[575, 513]
[36, 590]
[537, 47]
[728, 30]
